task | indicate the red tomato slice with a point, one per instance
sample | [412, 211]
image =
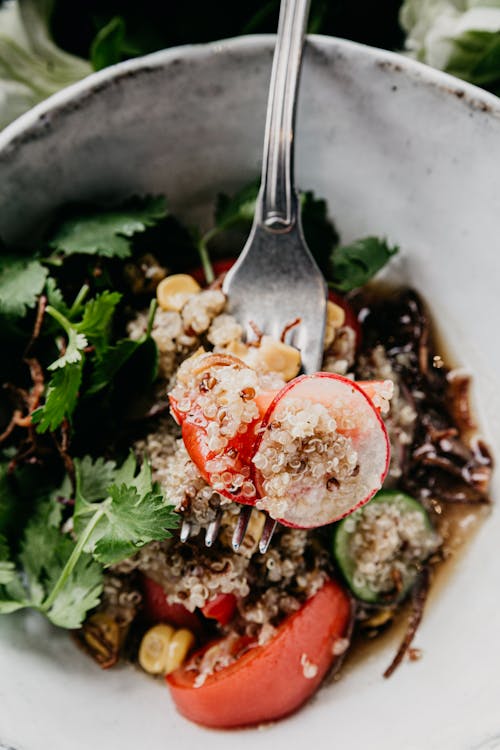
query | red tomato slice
[157, 609]
[271, 681]
[235, 459]
[221, 608]
[308, 500]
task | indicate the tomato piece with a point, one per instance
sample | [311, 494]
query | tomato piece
[222, 455]
[221, 608]
[220, 266]
[157, 609]
[351, 319]
[306, 486]
[270, 681]
[235, 458]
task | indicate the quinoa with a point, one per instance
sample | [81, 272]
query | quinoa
[388, 542]
[303, 445]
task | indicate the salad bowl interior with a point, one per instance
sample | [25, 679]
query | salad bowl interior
[397, 150]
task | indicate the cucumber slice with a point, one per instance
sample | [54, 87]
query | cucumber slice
[380, 547]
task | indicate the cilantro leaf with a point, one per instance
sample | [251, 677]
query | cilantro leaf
[45, 555]
[107, 232]
[108, 363]
[238, 208]
[97, 317]
[55, 297]
[62, 588]
[94, 477]
[63, 389]
[131, 512]
[21, 281]
[80, 592]
[61, 398]
[355, 264]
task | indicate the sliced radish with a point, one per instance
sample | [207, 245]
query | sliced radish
[322, 452]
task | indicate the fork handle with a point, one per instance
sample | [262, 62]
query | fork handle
[277, 205]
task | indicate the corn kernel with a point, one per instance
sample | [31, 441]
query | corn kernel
[275, 356]
[178, 649]
[154, 648]
[173, 292]
[335, 318]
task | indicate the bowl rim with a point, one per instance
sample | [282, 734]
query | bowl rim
[23, 127]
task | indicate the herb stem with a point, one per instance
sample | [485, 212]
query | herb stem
[73, 558]
[61, 319]
[206, 263]
[80, 297]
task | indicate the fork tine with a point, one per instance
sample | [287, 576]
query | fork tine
[185, 531]
[267, 534]
[241, 526]
[213, 530]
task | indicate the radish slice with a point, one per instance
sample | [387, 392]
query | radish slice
[323, 451]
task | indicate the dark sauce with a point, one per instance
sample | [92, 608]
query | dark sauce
[445, 464]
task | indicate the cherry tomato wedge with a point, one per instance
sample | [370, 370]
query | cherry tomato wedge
[157, 609]
[221, 608]
[270, 681]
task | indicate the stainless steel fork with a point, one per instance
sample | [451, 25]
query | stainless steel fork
[276, 279]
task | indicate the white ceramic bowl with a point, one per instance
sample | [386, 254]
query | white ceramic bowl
[397, 149]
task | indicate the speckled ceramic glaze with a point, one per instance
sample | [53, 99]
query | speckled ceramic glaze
[397, 149]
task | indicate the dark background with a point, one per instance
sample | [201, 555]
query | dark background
[141, 27]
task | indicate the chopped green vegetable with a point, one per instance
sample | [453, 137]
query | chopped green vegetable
[117, 511]
[62, 392]
[21, 281]
[107, 232]
[118, 518]
[355, 264]
[60, 399]
[97, 317]
[239, 208]
[45, 552]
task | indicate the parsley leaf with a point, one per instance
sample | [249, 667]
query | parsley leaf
[61, 398]
[129, 513]
[21, 281]
[238, 208]
[107, 232]
[110, 362]
[355, 264]
[97, 317]
[63, 389]
[46, 553]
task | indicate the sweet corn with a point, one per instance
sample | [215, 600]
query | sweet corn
[275, 356]
[173, 292]
[178, 649]
[335, 318]
[154, 648]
